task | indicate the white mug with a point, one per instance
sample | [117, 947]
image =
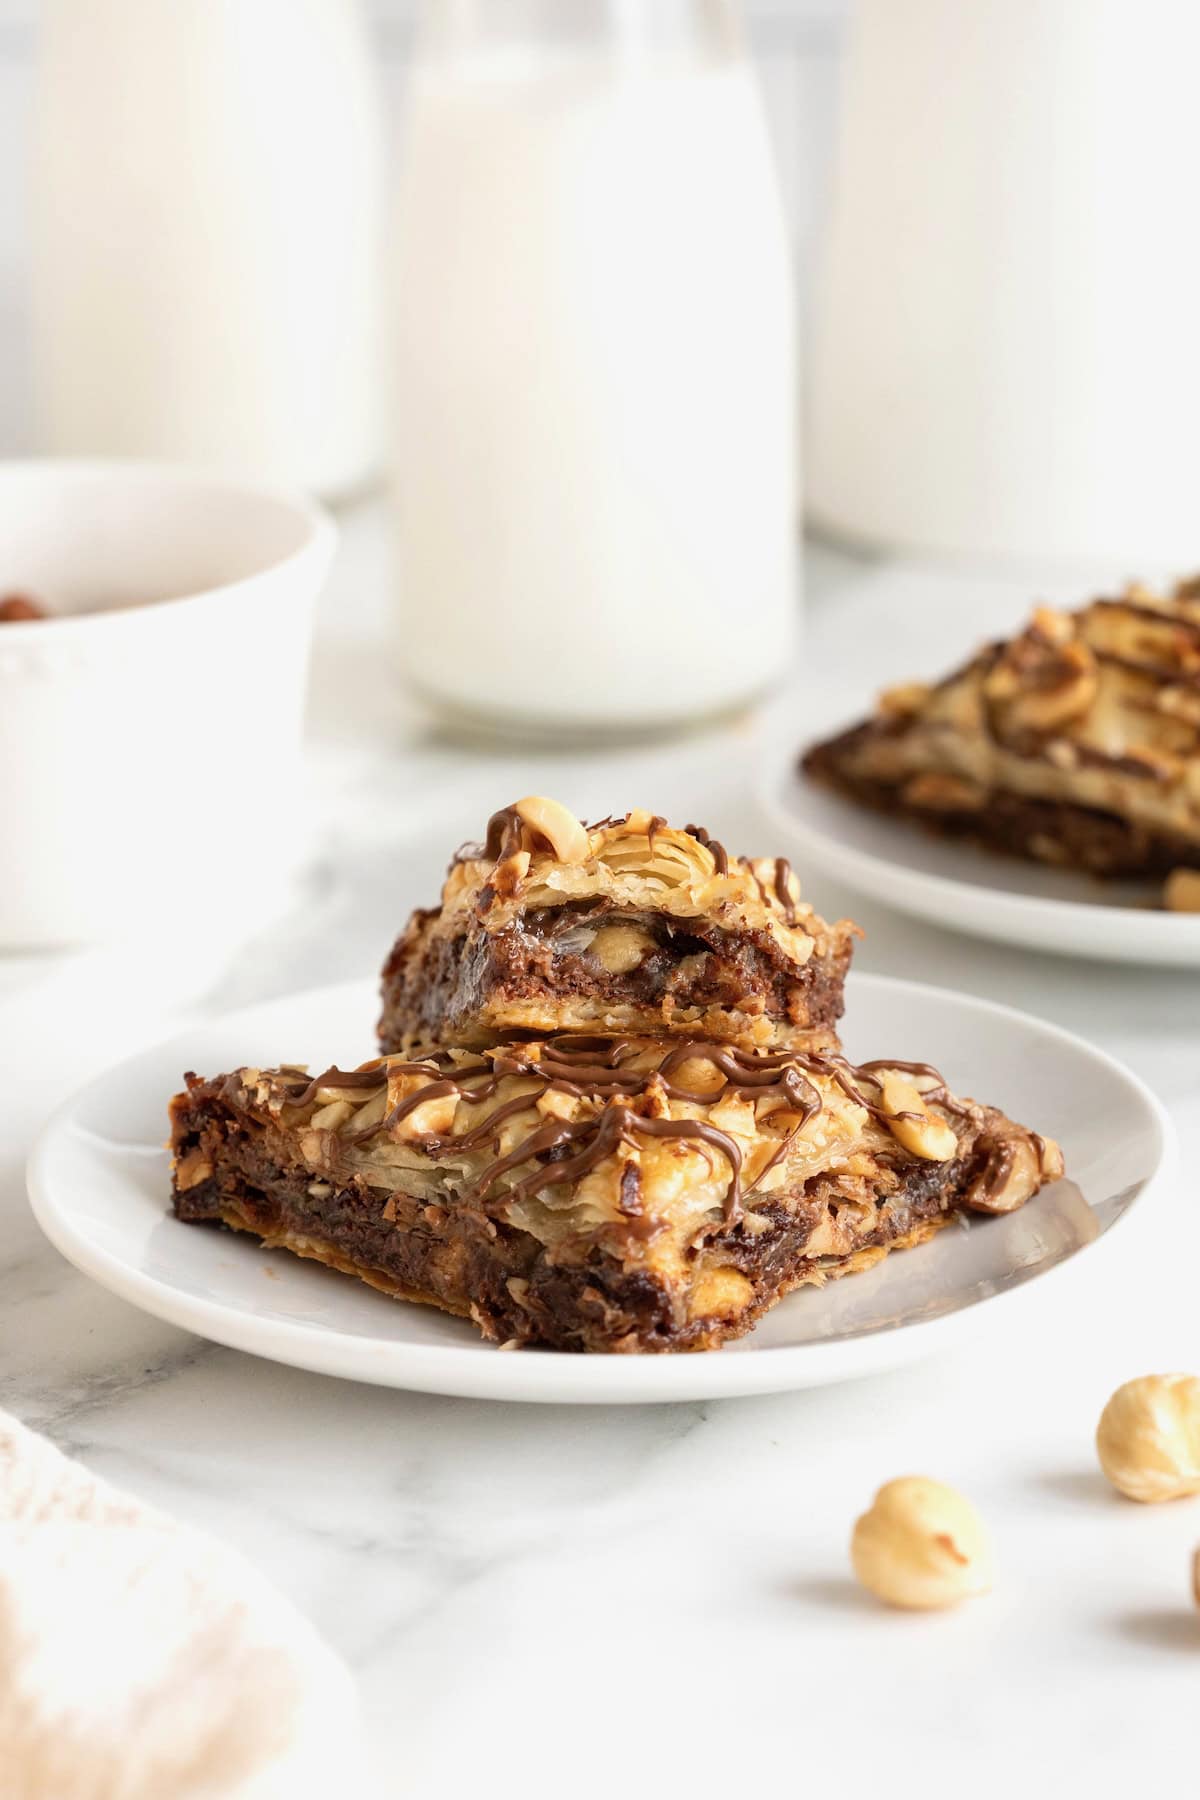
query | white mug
[150, 769]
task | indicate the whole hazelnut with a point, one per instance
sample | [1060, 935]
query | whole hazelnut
[1148, 1438]
[921, 1546]
[550, 822]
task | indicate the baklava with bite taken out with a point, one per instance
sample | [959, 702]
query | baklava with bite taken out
[592, 1194]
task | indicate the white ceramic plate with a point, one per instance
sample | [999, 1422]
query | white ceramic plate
[970, 889]
[98, 1181]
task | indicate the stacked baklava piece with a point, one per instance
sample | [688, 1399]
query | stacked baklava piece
[612, 1111]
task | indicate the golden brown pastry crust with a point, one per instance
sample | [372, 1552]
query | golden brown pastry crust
[645, 929]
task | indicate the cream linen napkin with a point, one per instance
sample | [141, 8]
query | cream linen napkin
[141, 1661]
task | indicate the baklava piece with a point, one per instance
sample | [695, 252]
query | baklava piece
[1076, 743]
[627, 926]
[592, 1195]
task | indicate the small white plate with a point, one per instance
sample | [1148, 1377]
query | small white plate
[98, 1180]
[974, 890]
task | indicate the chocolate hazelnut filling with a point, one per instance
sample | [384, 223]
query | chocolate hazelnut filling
[595, 952]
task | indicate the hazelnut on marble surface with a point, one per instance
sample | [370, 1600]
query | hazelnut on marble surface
[921, 1546]
[1148, 1438]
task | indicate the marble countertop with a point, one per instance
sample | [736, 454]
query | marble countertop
[540, 1600]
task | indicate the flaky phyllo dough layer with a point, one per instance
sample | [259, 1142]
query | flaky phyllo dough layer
[1093, 712]
[598, 1195]
[628, 925]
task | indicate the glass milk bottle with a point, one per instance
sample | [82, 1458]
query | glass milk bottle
[205, 212]
[594, 409]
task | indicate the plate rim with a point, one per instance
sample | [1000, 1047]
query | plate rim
[561, 1377]
[915, 891]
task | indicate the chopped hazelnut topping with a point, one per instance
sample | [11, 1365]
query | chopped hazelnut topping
[1182, 891]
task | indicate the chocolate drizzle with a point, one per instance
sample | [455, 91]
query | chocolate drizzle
[371, 1075]
[783, 888]
[1157, 615]
[604, 1071]
[507, 833]
[717, 851]
[1154, 648]
[999, 1156]
[504, 831]
[598, 1138]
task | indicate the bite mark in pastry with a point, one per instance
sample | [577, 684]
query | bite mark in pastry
[591, 1195]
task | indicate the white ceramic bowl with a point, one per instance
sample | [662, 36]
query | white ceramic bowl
[150, 729]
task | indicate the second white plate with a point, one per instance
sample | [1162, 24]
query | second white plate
[99, 1183]
[970, 889]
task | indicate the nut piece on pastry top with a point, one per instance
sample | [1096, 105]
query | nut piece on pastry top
[625, 926]
[1076, 742]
